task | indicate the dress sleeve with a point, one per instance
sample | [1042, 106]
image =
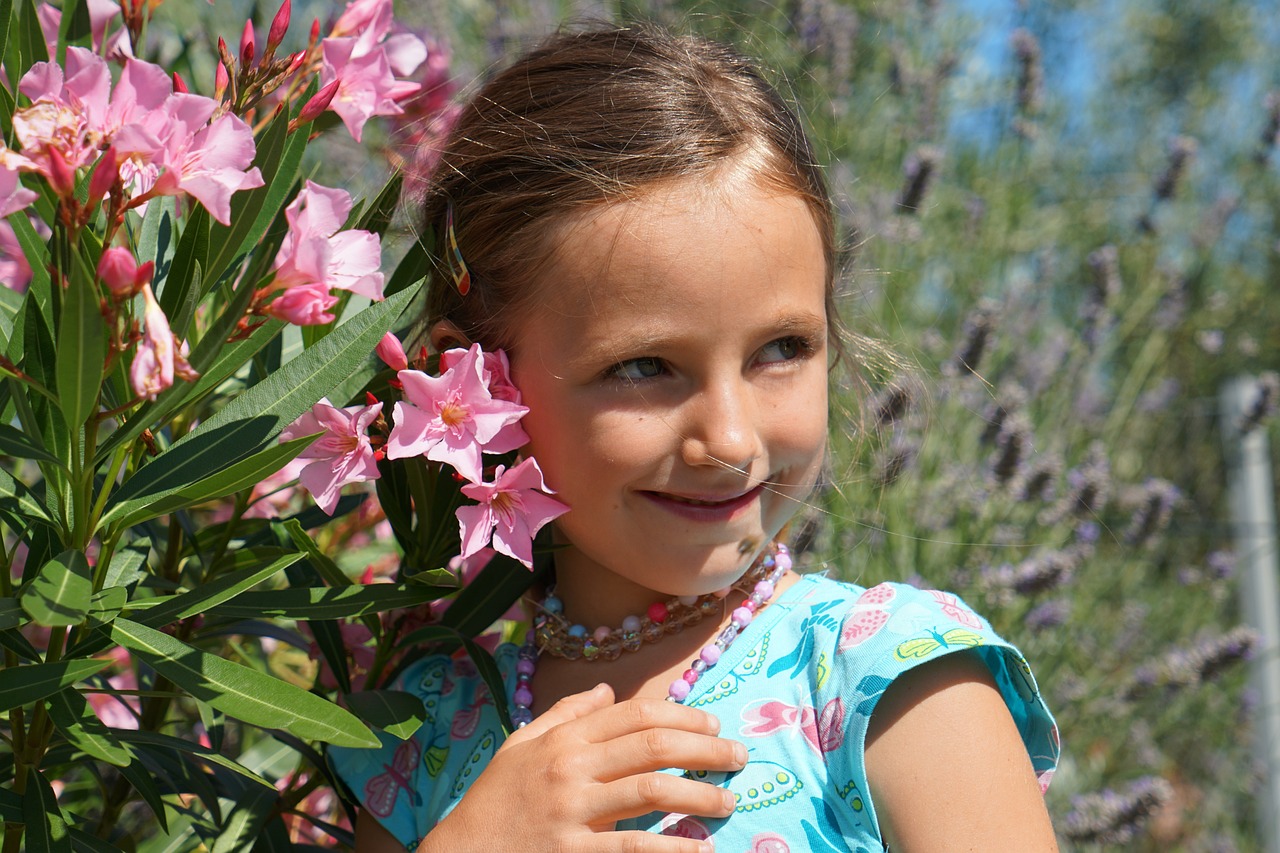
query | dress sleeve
[409, 785]
[893, 628]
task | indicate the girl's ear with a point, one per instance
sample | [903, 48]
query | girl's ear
[445, 335]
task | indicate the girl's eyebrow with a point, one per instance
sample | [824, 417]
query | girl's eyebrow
[639, 342]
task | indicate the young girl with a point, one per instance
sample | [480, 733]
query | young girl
[649, 238]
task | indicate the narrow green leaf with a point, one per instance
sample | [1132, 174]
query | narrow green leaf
[488, 670]
[333, 649]
[27, 504]
[127, 564]
[83, 730]
[326, 602]
[241, 692]
[145, 784]
[10, 311]
[10, 806]
[189, 748]
[209, 595]
[46, 829]
[83, 842]
[233, 478]
[107, 603]
[17, 444]
[22, 685]
[13, 640]
[59, 595]
[320, 561]
[80, 367]
[251, 422]
[75, 26]
[30, 38]
[180, 291]
[6, 16]
[11, 614]
[483, 601]
[395, 712]
[245, 822]
[156, 236]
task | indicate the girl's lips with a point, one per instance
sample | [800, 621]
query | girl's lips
[705, 509]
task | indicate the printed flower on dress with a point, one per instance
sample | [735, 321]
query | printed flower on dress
[342, 455]
[453, 418]
[511, 511]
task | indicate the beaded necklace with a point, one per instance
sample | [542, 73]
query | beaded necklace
[549, 633]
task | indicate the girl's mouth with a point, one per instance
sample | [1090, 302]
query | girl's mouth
[705, 508]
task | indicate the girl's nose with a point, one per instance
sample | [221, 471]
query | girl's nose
[721, 429]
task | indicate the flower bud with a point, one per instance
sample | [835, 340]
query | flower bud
[104, 176]
[248, 49]
[179, 85]
[221, 80]
[62, 177]
[319, 102]
[391, 351]
[279, 25]
[121, 273]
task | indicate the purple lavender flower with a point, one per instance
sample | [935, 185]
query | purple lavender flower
[1270, 128]
[1088, 488]
[917, 173]
[979, 328]
[1181, 150]
[1115, 817]
[1048, 570]
[1010, 398]
[1026, 49]
[1221, 564]
[1154, 509]
[1049, 614]
[1012, 445]
[895, 459]
[893, 401]
[1187, 668]
[1104, 264]
[1040, 478]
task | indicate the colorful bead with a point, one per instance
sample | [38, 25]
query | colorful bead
[551, 604]
[657, 612]
[601, 634]
[524, 666]
[577, 631]
[741, 617]
[709, 655]
[524, 697]
[631, 625]
[763, 591]
[690, 676]
[679, 690]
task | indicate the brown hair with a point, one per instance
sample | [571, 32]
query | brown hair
[589, 117]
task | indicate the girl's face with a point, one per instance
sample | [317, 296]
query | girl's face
[675, 372]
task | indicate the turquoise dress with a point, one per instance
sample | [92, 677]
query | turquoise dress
[797, 687]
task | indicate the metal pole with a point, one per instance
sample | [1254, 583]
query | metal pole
[1253, 516]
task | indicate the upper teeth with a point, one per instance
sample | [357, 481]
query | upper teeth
[696, 502]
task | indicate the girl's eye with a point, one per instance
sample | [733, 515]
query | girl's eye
[636, 369]
[785, 349]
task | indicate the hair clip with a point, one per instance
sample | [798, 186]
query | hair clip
[461, 275]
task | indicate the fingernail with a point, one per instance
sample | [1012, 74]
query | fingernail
[730, 801]
[713, 723]
[740, 753]
[707, 847]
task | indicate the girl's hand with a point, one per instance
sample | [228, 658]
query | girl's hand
[562, 782]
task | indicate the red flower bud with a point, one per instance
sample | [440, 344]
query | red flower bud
[119, 272]
[279, 25]
[179, 85]
[222, 79]
[370, 398]
[315, 31]
[104, 176]
[319, 102]
[62, 177]
[248, 49]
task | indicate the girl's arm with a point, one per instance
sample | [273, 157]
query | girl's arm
[947, 767]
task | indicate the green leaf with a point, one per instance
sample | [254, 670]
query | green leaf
[333, 649]
[11, 614]
[233, 478]
[326, 602]
[127, 564]
[395, 712]
[75, 25]
[107, 603]
[17, 444]
[13, 640]
[209, 595]
[10, 806]
[488, 670]
[181, 746]
[156, 236]
[10, 311]
[179, 293]
[245, 822]
[241, 692]
[483, 601]
[80, 366]
[6, 17]
[320, 561]
[251, 421]
[83, 730]
[27, 503]
[30, 40]
[59, 595]
[83, 842]
[46, 830]
[22, 685]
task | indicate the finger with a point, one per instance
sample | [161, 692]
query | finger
[637, 715]
[646, 842]
[659, 792]
[658, 749]
[568, 709]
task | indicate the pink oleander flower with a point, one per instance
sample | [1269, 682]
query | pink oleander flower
[512, 509]
[101, 13]
[160, 356]
[316, 252]
[451, 418]
[15, 272]
[391, 351]
[363, 55]
[342, 455]
[495, 370]
[176, 149]
[13, 195]
[303, 305]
